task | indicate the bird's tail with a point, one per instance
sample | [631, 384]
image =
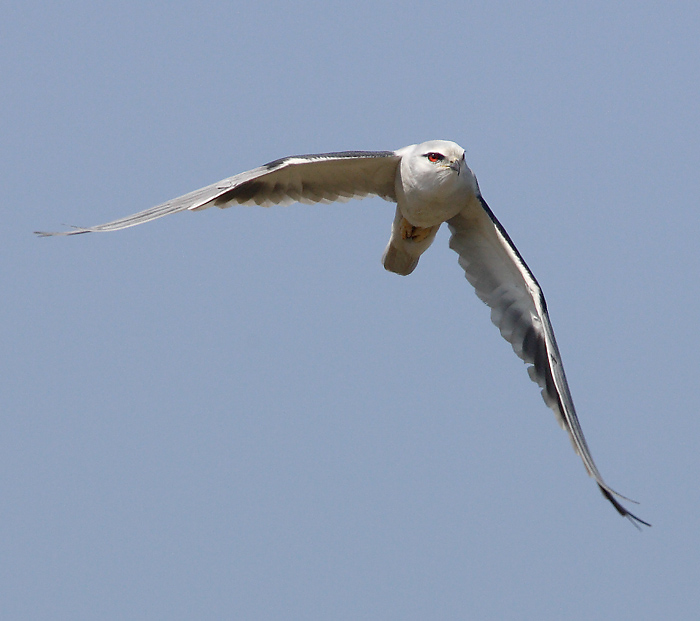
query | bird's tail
[406, 245]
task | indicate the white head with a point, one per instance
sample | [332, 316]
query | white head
[437, 163]
[441, 153]
[434, 179]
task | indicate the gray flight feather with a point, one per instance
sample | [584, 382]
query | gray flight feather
[320, 178]
[502, 279]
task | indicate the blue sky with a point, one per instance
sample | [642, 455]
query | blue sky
[240, 414]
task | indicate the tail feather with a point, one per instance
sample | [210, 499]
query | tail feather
[397, 260]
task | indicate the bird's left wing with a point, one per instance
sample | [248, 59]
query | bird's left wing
[319, 178]
[502, 279]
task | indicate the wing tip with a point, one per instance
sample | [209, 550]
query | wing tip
[77, 231]
[637, 522]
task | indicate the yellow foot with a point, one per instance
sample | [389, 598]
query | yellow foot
[415, 233]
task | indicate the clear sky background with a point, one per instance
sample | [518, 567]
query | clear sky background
[242, 415]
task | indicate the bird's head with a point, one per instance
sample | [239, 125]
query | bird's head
[441, 155]
[436, 167]
[434, 182]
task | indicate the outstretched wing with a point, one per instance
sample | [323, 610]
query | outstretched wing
[502, 279]
[320, 178]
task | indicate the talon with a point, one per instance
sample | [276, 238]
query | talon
[414, 233]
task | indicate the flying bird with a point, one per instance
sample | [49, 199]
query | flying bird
[431, 184]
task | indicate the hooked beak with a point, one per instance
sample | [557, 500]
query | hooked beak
[455, 165]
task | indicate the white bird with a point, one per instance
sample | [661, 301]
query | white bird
[431, 184]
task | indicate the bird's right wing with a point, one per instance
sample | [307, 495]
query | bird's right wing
[320, 178]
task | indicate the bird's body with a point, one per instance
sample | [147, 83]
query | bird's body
[431, 184]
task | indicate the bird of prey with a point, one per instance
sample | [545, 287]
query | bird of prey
[431, 184]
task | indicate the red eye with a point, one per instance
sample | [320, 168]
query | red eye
[435, 157]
